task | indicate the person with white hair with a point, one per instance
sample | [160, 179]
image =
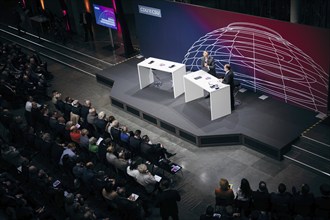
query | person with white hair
[143, 177]
[100, 123]
[75, 112]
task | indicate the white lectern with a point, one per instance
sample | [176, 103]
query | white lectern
[146, 76]
[196, 82]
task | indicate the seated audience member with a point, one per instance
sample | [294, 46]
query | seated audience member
[126, 207]
[303, 202]
[135, 142]
[75, 112]
[46, 146]
[224, 195]
[84, 111]
[109, 193]
[261, 198]
[60, 127]
[55, 97]
[243, 197]
[281, 202]
[110, 119]
[100, 123]
[156, 150]
[88, 175]
[70, 151]
[84, 139]
[125, 135]
[67, 130]
[11, 155]
[143, 177]
[115, 131]
[93, 147]
[75, 134]
[209, 214]
[67, 108]
[322, 203]
[102, 149]
[119, 163]
[53, 121]
[92, 115]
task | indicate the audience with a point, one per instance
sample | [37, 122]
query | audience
[44, 173]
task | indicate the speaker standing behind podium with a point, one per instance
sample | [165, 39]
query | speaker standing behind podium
[207, 63]
[229, 80]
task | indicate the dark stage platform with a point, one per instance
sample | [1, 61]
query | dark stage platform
[267, 126]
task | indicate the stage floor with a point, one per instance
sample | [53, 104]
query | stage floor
[268, 126]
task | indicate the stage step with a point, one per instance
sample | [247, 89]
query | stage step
[313, 161]
[314, 147]
[320, 132]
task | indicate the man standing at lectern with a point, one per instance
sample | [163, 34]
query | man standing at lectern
[229, 80]
[207, 63]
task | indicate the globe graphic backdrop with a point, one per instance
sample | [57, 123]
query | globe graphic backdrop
[263, 61]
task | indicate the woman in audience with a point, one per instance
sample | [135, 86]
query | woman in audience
[224, 195]
[243, 197]
[75, 134]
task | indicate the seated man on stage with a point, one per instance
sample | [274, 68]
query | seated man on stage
[229, 80]
[207, 64]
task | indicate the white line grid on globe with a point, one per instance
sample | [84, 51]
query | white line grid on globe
[263, 61]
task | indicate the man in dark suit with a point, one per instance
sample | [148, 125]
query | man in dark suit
[229, 80]
[207, 63]
[86, 21]
[166, 201]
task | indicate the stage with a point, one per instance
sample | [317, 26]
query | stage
[268, 126]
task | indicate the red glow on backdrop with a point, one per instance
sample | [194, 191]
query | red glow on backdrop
[67, 25]
[23, 3]
[115, 9]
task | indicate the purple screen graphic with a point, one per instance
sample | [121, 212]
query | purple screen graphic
[105, 16]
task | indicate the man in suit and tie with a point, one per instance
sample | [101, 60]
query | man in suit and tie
[229, 80]
[167, 201]
[207, 63]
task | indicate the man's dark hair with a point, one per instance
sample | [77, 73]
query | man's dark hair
[137, 133]
[262, 186]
